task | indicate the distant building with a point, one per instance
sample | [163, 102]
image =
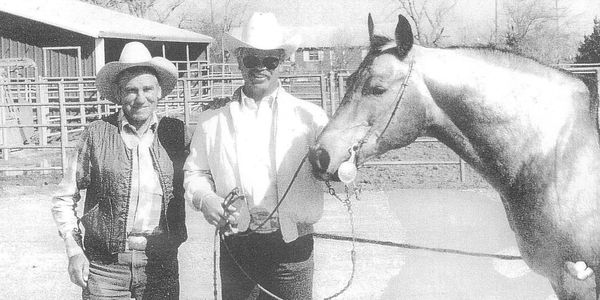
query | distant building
[67, 38]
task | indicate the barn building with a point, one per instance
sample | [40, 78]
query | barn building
[43, 42]
[68, 38]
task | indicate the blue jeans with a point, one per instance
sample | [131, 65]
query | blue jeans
[133, 275]
[285, 269]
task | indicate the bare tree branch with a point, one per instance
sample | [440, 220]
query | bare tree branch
[429, 18]
[162, 17]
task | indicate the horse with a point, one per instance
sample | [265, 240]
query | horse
[526, 127]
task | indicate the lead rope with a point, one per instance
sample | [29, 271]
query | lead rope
[348, 204]
[234, 195]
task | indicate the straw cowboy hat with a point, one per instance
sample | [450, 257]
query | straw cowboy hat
[135, 54]
[264, 32]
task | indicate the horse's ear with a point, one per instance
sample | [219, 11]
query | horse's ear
[371, 27]
[404, 36]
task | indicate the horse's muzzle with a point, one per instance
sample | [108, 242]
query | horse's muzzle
[319, 159]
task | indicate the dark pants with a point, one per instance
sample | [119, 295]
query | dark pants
[133, 275]
[285, 269]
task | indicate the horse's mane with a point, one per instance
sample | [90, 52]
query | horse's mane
[509, 59]
[497, 56]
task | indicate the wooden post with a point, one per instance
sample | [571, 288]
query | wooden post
[3, 131]
[323, 84]
[83, 117]
[99, 56]
[187, 97]
[341, 88]
[332, 91]
[188, 65]
[598, 99]
[43, 115]
[64, 137]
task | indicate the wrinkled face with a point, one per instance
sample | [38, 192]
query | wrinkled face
[260, 68]
[139, 93]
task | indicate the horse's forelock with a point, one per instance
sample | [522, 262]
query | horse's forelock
[378, 42]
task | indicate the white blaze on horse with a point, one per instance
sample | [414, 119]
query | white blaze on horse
[526, 127]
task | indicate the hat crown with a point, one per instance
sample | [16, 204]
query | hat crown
[263, 32]
[134, 52]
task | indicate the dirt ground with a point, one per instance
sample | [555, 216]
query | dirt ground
[427, 206]
[33, 262]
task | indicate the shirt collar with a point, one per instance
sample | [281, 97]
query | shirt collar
[270, 98]
[124, 123]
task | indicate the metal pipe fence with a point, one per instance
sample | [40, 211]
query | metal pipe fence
[59, 109]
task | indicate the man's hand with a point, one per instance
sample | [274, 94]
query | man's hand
[79, 269]
[215, 214]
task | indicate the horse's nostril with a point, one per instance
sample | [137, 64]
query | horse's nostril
[319, 159]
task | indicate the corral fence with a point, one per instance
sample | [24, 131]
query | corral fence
[49, 114]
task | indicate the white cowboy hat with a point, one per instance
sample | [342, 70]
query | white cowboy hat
[135, 54]
[264, 32]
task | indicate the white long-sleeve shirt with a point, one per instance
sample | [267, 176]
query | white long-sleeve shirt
[256, 136]
[219, 161]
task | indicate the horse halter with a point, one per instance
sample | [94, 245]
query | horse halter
[358, 146]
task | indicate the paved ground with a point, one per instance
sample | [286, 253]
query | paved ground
[33, 264]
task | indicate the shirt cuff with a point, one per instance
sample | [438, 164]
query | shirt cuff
[72, 247]
[197, 201]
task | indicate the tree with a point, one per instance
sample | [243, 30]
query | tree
[589, 50]
[343, 51]
[524, 18]
[429, 17]
[156, 10]
[217, 21]
[539, 29]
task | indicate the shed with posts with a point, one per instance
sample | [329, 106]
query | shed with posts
[48, 41]
[69, 38]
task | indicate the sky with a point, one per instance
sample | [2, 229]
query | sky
[470, 18]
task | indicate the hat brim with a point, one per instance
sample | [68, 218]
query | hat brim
[289, 46]
[108, 87]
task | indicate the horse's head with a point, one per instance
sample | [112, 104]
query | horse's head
[383, 107]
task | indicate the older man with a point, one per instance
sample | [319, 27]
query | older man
[130, 164]
[255, 144]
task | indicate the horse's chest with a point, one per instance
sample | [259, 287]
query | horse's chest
[567, 225]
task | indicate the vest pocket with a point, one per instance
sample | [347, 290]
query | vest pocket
[97, 226]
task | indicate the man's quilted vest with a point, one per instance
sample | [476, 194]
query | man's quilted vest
[108, 183]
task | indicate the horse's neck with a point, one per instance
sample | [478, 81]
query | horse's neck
[498, 119]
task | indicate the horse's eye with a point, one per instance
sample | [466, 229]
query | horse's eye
[378, 90]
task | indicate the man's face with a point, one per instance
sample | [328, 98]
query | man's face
[260, 67]
[139, 93]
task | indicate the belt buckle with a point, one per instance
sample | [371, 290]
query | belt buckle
[258, 217]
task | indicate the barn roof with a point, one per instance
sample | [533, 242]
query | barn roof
[98, 22]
